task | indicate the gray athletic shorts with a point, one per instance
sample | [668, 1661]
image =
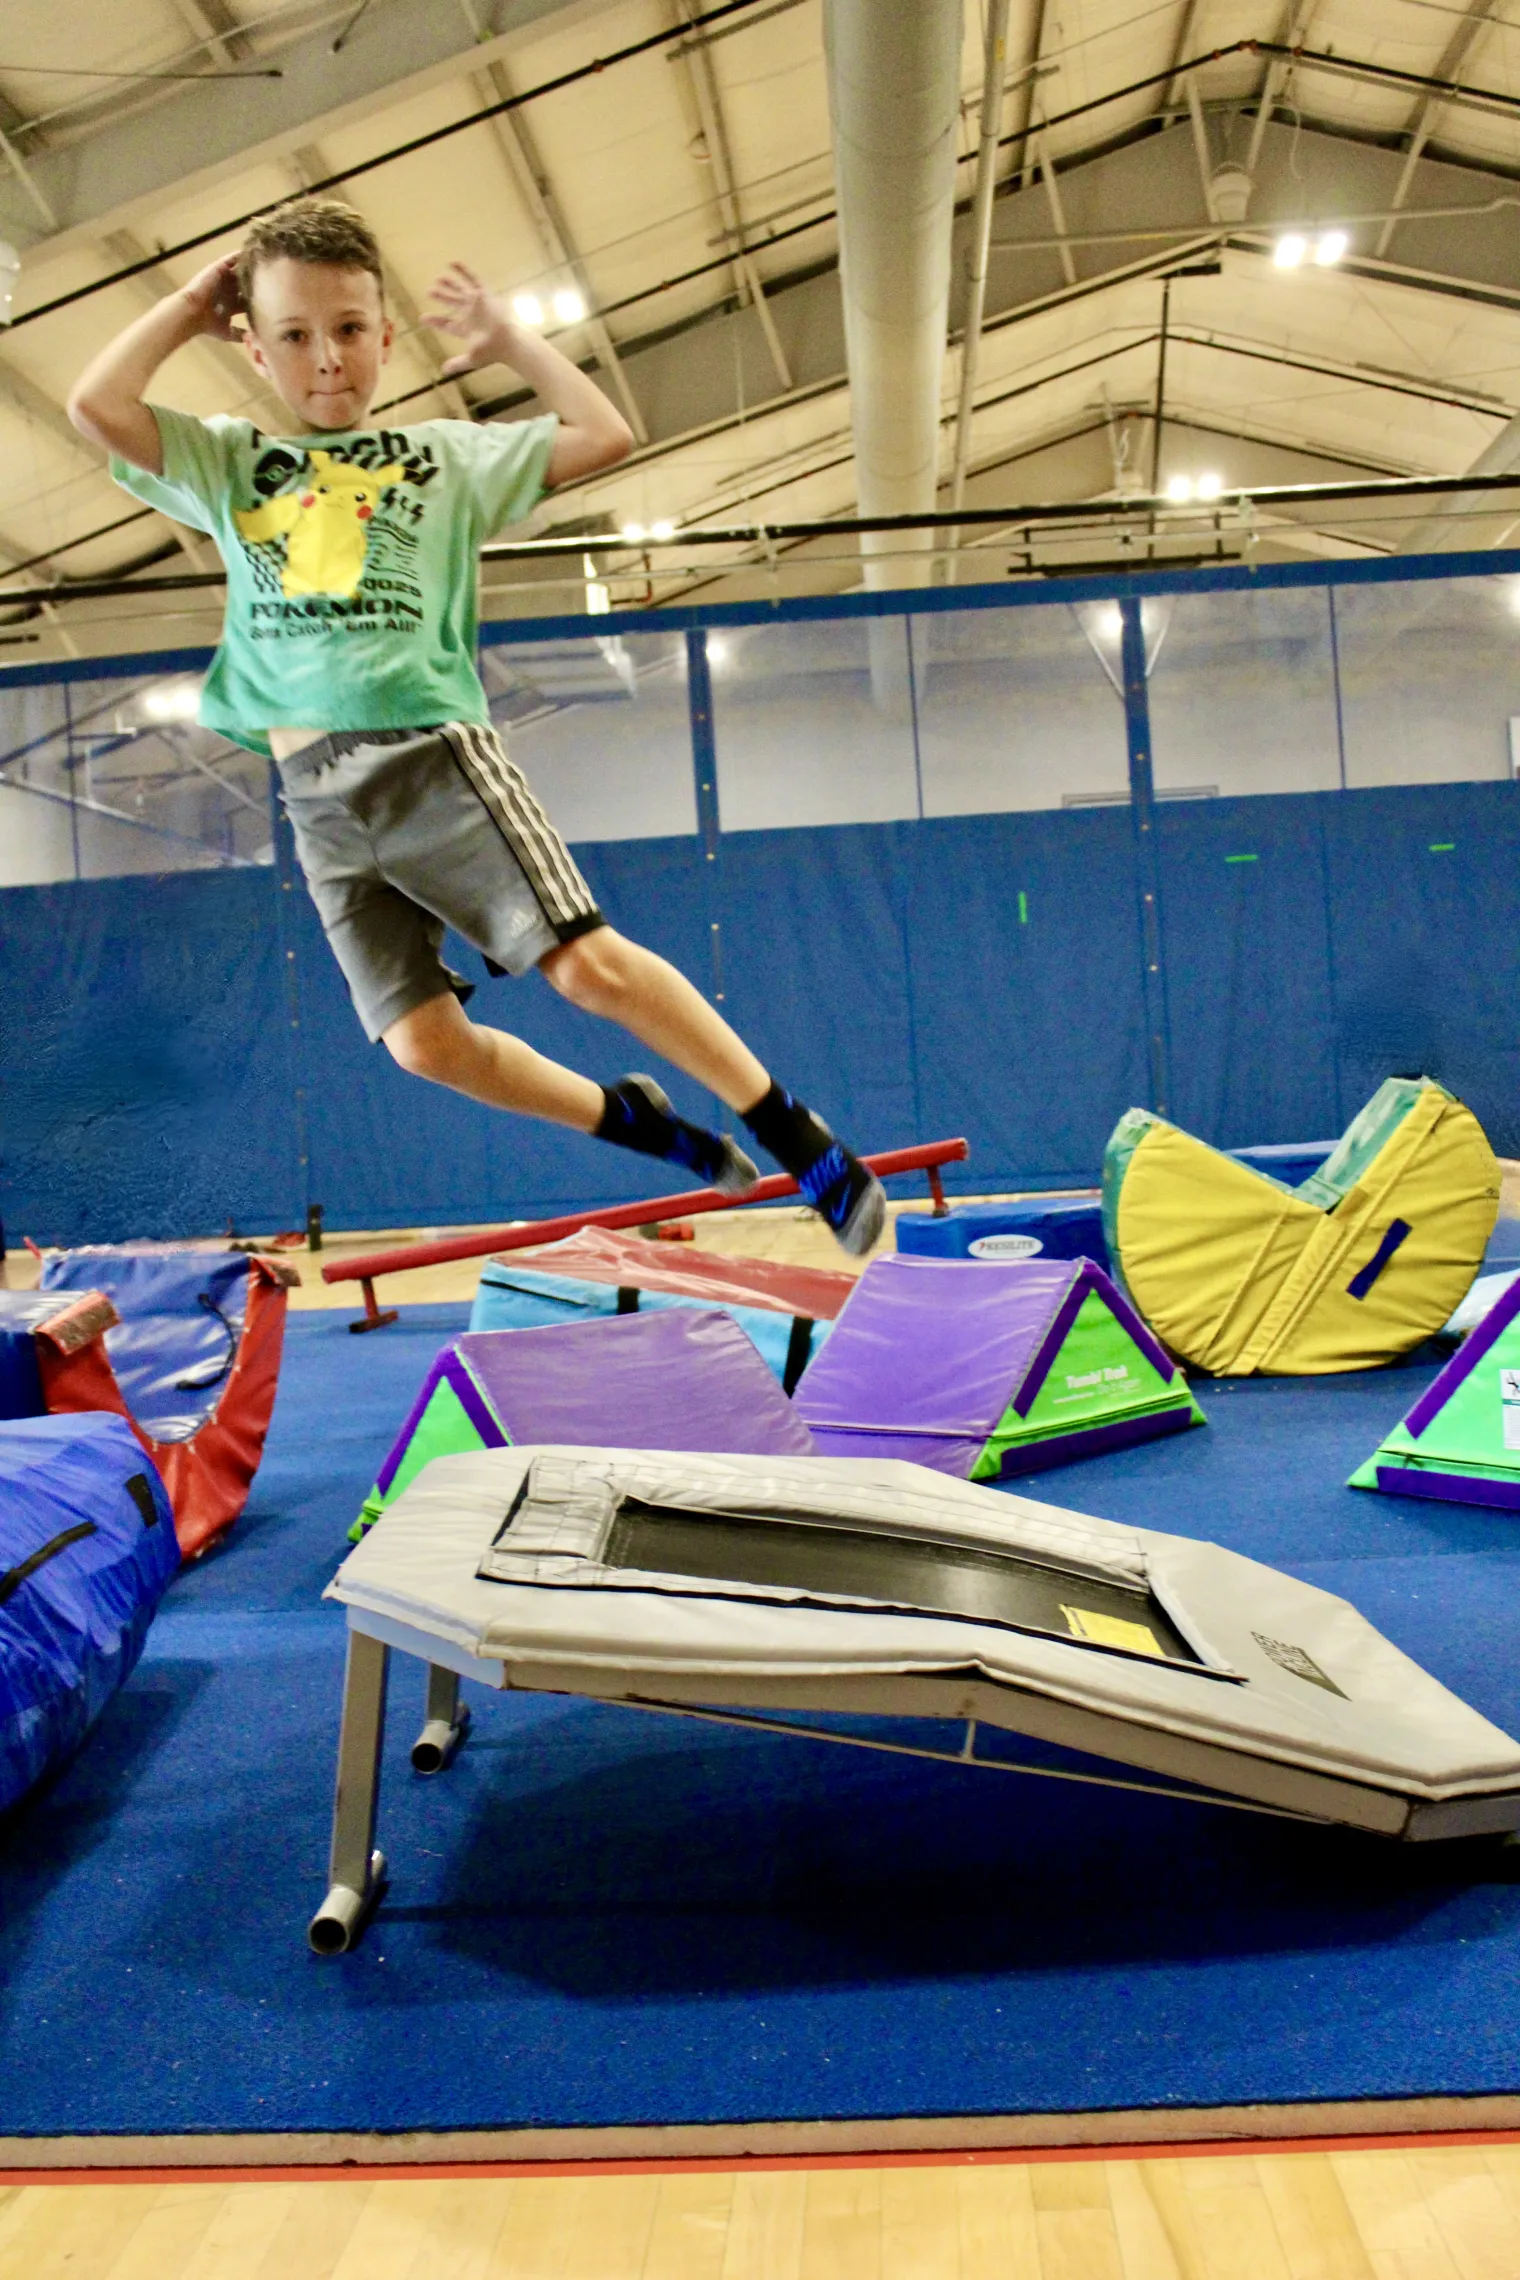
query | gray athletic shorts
[402, 832]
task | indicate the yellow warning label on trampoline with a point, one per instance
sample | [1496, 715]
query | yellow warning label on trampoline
[1112, 1631]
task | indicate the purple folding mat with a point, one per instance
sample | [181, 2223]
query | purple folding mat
[985, 1368]
[686, 1378]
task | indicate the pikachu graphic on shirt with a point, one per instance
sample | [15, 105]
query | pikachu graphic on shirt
[326, 525]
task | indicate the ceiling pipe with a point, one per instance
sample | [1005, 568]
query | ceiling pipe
[981, 236]
[894, 100]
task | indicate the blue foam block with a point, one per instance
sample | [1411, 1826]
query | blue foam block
[1031, 1228]
[521, 1298]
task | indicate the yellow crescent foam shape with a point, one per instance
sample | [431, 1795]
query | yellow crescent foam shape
[1237, 1274]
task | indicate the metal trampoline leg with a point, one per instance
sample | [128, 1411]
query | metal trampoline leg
[447, 1722]
[356, 1869]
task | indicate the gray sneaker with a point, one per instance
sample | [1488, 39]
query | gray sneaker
[848, 1198]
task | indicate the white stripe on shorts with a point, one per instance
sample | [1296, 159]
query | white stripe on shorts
[546, 862]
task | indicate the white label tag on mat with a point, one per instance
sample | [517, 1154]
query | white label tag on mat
[1005, 1246]
[1509, 1396]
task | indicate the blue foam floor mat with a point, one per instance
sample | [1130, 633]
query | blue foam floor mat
[599, 1917]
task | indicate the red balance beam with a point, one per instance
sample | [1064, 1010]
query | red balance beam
[927, 1158]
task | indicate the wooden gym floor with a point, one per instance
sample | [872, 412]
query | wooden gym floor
[1437, 2209]
[1448, 2211]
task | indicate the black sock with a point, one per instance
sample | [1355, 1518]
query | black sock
[643, 1120]
[787, 1129]
[835, 1182]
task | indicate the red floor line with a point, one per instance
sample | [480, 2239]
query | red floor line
[749, 2165]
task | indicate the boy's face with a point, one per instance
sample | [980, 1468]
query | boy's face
[320, 336]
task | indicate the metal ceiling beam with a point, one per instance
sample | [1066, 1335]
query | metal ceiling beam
[1182, 48]
[1298, 16]
[219, 127]
[518, 145]
[1057, 210]
[685, 377]
[1458, 48]
[1023, 173]
[696, 65]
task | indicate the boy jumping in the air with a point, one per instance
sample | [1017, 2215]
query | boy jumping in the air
[348, 653]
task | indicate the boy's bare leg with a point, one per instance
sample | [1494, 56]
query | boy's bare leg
[604, 973]
[439, 1041]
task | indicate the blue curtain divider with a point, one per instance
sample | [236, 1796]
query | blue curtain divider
[978, 974]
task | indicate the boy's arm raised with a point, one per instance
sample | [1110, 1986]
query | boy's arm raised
[106, 403]
[592, 433]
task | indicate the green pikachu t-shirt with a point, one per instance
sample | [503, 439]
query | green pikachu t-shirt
[351, 563]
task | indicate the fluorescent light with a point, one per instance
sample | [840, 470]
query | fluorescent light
[180, 700]
[1111, 622]
[1329, 247]
[1179, 489]
[569, 306]
[1289, 251]
[662, 530]
[528, 310]
[1208, 486]
[634, 533]
[717, 649]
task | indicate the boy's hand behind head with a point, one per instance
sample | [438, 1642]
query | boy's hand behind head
[468, 310]
[214, 299]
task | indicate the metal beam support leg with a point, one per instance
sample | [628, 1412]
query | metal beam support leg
[1142, 794]
[357, 1871]
[447, 1721]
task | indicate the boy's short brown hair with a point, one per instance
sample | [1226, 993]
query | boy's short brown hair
[310, 229]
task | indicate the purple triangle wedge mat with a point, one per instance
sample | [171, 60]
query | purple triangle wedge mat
[683, 1379]
[990, 1368]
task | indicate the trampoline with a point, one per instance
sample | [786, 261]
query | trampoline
[732, 1588]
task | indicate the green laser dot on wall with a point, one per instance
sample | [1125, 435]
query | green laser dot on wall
[1443, 847]
[1240, 858]
[1023, 908]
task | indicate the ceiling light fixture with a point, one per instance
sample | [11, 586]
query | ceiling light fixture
[1330, 247]
[528, 310]
[1111, 622]
[569, 306]
[662, 530]
[1208, 485]
[1179, 489]
[180, 700]
[717, 649]
[1288, 253]
[633, 533]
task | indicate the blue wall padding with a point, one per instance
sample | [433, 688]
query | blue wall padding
[1029, 1032]
[73, 1615]
[181, 1318]
[145, 1058]
[512, 1298]
[969, 974]
[1425, 888]
[1250, 1009]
